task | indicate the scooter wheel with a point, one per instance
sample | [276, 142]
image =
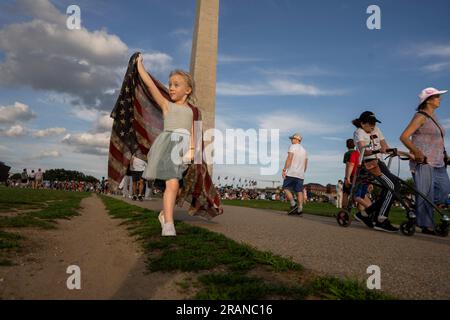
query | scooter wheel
[408, 228]
[343, 218]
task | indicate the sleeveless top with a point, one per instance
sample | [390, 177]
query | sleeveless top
[178, 117]
[429, 140]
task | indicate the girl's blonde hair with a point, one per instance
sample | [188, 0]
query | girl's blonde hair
[192, 99]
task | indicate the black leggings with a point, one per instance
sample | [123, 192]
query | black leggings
[390, 182]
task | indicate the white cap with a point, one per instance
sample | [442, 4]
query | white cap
[297, 136]
[428, 92]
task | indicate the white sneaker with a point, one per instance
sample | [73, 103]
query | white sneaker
[168, 230]
[161, 218]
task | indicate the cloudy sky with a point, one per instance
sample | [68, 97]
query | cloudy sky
[297, 66]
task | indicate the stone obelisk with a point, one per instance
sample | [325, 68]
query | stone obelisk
[204, 60]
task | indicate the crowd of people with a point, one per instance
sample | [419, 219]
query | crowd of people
[35, 180]
[424, 138]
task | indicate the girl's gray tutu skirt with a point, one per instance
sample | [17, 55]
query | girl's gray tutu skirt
[165, 158]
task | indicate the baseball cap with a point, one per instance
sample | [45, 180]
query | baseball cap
[428, 92]
[368, 116]
[296, 136]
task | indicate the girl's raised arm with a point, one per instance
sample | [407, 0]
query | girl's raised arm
[159, 98]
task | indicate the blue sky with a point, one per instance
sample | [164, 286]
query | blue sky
[306, 66]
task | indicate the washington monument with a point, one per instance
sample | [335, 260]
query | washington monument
[204, 60]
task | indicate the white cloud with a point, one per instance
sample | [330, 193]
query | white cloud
[182, 32]
[186, 46]
[86, 114]
[16, 112]
[288, 123]
[41, 9]
[434, 50]
[89, 143]
[437, 67]
[14, 131]
[101, 120]
[103, 123]
[296, 72]
[275, 87]
[46, 154]
[49, 132]
[158, 62]
[45, 55]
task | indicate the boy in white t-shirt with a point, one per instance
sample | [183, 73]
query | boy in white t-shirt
[294, 173]
[137, 167]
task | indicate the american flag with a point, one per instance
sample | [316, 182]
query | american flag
[137, 123]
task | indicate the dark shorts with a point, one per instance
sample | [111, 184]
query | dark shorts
[293, 184]
[136, 175]
[362, 190]
[346, 189]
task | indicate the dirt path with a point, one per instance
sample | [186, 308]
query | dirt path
[112, 264]
[411, 267]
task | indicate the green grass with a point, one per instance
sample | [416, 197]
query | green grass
[345, 289]
[242, 287]
[33, 208]
[37, 208]
[9, 240]
[192, 249]
[225, 262]
[396, 215]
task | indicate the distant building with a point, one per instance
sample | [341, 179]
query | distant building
[316, 188]
[324, 193]
[331, 189]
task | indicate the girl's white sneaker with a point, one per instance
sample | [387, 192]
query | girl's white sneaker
[168, 230]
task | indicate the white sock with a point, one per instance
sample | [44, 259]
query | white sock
[381, 219]
[292, 202]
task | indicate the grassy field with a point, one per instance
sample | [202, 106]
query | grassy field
[396, 215]
[20, 208]
[225, 269]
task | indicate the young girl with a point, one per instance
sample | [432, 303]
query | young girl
[368, 134]
[164, 163]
